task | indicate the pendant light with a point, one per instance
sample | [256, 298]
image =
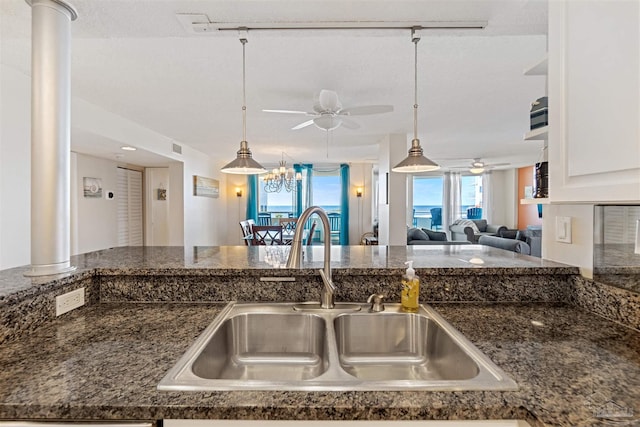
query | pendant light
[416, 161]
[244, 163]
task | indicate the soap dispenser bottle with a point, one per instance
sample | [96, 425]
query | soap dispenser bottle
[410, 290]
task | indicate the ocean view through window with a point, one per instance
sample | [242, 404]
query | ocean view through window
[428, 195]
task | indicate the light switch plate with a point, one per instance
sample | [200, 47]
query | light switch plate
[563, 229]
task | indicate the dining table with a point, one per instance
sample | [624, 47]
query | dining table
[287, 236]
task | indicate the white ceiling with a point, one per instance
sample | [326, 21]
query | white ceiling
[135, 59]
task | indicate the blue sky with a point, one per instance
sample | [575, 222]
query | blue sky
[326, 192]
[427, 191]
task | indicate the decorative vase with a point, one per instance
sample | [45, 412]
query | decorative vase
[541, 180]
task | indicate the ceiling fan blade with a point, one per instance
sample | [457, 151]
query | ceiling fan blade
[303, 125]
[328, 100]
[290, 112]
[498, 164]
[367, 109]
[349, 124]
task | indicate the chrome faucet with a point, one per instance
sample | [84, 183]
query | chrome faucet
[295, 255]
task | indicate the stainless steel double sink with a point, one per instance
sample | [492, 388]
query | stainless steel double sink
[285, 346]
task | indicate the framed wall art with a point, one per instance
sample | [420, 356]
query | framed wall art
[92, 187]
[206, 187]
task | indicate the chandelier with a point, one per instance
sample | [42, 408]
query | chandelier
[281, 178]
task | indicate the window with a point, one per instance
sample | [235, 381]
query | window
[326, 190]
[275, 202]
[427, 195]
[471, 193]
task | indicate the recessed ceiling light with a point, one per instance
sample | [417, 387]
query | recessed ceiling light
[128, 148]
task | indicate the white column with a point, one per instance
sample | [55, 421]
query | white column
[50, 136]
[392, 209]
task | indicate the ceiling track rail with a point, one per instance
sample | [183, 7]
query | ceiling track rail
[200, 23]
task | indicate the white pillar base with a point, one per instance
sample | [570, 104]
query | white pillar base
[50, 269]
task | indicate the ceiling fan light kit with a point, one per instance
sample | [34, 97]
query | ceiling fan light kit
[328, 113]
[415, 161]
[244, 164]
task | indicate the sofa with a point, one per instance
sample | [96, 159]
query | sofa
[424, 236]
[512, 245]
[471, 229]
[532, 236]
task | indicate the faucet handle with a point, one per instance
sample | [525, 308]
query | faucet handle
[376, 303]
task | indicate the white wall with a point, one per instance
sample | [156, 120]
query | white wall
[505, 197]
[236, 208]
[176, 207]
[157, 226]
[96, 220]
[580, 251]
[15, 171]
[194, 220]
[205, 219]
[205, 223]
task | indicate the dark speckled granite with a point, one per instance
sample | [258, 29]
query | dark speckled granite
[613, 303]
[104, 361]
[234, 260]
[233, 273]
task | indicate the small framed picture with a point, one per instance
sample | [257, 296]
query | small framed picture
[92, 187]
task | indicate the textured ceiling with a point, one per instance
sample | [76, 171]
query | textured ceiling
[135, 59]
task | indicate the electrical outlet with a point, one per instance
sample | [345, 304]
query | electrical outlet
[69, 301]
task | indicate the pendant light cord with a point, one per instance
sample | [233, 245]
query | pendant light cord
[415, 83]
[244, 97]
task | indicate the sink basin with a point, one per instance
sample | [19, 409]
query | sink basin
[286, 346]
[399, 346]
[265, 346]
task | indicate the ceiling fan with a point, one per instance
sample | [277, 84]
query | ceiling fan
[478, 166]
[328, 113]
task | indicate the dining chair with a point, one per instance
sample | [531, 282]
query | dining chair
[288, 224]
[436, 218]
[267, 235]
[474, 213]
[264, 218]
[310, 235]
[246, 231]
[334, 225]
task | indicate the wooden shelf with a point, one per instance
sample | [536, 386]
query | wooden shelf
[540, 201]
[540, 134]
[537, 69]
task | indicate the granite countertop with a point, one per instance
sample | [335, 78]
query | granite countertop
[270, 260]
[104, 362]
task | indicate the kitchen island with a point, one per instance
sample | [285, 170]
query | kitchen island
[104, 361]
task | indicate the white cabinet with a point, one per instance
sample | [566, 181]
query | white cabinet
[594, 101]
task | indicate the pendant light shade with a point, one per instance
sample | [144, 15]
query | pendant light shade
[416, 161]
[244, 163]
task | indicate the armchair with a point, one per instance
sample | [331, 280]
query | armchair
[471, 229]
